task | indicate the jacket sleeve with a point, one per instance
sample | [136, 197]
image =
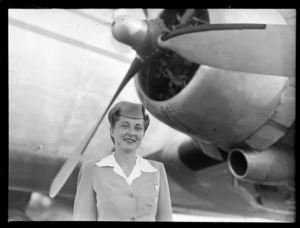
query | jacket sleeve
[164, 208]
[85, 199]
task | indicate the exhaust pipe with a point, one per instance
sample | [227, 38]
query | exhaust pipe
[272, 166]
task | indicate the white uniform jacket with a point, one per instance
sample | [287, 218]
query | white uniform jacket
[105, 193]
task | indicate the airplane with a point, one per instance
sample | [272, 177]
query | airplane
[222, 120]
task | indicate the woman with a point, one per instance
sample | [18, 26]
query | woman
[123, 186]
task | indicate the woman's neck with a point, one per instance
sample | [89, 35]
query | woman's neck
[125, 158]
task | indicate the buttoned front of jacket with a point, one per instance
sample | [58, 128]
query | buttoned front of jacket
[117, 199]
[104, 195]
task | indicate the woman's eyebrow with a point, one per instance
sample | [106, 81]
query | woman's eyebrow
[124, 121]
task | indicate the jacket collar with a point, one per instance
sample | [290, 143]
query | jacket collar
[141, 163]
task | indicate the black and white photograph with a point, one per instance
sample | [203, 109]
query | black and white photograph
[155, 115]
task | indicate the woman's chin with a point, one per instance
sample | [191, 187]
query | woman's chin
[130, 147]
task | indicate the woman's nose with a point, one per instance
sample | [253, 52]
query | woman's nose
[131, 131]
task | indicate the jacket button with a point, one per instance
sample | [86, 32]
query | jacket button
[132, 218]
[131, 195]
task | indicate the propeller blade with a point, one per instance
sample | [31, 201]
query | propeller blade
[134, 68]
[146, 13]
[63, 175]
[254, 48]
[71, 163]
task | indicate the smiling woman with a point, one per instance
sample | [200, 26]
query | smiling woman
[128, 134]
[124, 186]
[128, 127]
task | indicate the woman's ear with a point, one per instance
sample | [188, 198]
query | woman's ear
[112, 134]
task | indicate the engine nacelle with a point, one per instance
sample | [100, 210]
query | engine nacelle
[272, 166]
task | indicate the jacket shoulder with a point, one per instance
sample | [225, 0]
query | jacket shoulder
[156, 164]
[89, 164]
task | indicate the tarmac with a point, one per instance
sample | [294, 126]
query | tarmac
[43, 208]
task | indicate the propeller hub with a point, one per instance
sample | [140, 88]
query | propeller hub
[130, 30]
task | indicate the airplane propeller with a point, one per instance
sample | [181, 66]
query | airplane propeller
[140, 37]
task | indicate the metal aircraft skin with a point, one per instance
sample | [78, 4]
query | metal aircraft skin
[225, 137]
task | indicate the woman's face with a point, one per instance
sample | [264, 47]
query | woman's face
[128, 133]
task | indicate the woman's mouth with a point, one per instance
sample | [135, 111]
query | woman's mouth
[129, 140]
